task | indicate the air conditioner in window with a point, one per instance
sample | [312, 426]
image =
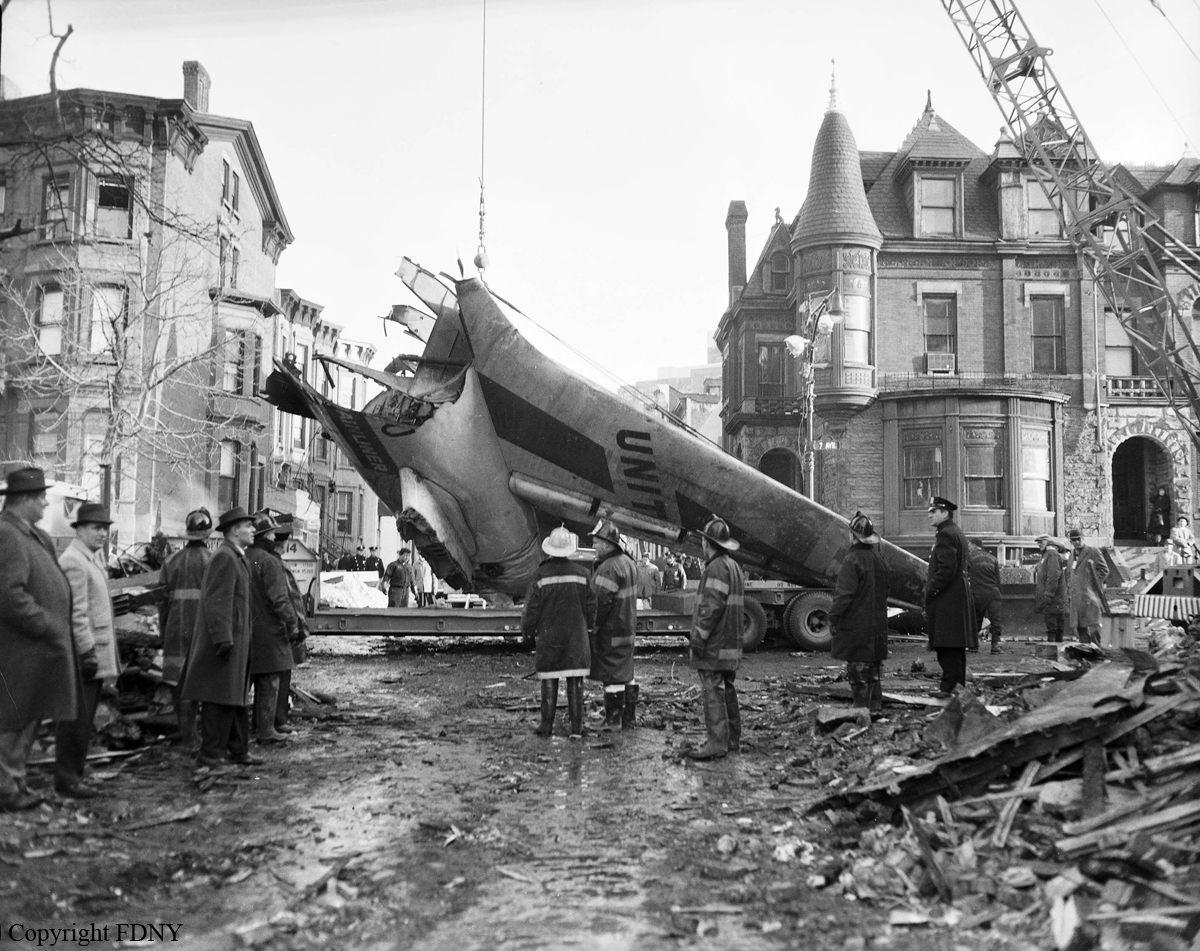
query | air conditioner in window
[939, 363]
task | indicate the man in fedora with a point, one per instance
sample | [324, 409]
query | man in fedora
[716, 641]
[37, 656]
[949, 608]
[559, 611]
[1087, 571]
[858, 615]
[95, 644]
[182, 576]
[218, 664]
[273, 627]
[1050, 587]
[614, 583]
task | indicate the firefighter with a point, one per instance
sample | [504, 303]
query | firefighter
[614, 583]
[181, 575]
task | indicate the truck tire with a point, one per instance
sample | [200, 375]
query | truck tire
[806, 621]
[754, 625]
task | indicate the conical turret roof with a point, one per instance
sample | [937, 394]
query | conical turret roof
[835, 211]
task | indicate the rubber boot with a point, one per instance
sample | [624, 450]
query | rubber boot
[860, 684]
[629, 713]
[996, 644]
[733, 714]
[266, 696]
[549, 704]
[575, 706]
[875, 689]
[716, 719]
[282, 703]
[614, 703]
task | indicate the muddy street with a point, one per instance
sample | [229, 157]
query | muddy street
[422, 812]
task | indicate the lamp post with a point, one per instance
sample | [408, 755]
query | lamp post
[819, 318]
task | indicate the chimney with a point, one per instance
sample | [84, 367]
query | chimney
[735, 225]
[196, 83]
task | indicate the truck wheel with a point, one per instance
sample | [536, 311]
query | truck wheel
[806, 621]
[754, 625]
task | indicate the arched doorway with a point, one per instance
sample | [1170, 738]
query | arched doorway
[782, 466]
[1139, 467]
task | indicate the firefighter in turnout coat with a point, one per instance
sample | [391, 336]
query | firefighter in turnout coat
[182, 575]
[560, 609]
[716, 641]
[614, 583]
[858, 615]
[273, 626]
[949, 608]
[218, 664]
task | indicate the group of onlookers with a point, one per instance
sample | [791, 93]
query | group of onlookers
[1069, 587]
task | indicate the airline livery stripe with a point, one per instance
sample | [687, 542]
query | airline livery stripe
[607, 584]
[718, 585]
[562, 579]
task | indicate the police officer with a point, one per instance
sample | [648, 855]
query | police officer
[949, 608]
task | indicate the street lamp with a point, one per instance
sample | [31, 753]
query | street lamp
[819, 318]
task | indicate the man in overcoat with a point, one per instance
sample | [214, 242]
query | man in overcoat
[949, 608]
[559, 611]
[1051, 588]
[182, 575]
[95, 644]
[218, 665]
[614, 583]
[1086, 573]
[985, 590]
[715, 644]
[273, 627]
[37, 655]
[858, 615]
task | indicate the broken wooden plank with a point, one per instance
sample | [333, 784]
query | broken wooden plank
[1094, 793]
[936, 874]
[1168, 762]
[182, 816]
[1009, 812]
[1115, 834]
[1153, 797]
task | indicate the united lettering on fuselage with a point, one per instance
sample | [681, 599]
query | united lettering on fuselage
[640, 472]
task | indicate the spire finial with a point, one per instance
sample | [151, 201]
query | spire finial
[832, 86]
[929, 100]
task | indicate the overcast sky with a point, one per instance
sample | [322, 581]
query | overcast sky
[616, 132]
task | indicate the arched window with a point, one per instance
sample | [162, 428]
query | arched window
[781, 269]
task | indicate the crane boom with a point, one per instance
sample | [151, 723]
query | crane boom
[1125, 246]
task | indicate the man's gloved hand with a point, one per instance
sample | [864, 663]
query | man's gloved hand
[224, 650]
[89, 666]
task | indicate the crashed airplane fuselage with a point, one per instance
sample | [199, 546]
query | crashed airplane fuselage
[489, 443]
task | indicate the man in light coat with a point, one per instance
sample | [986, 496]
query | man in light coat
[37, 655]
[1086, 573]
[858, 615]
[182, 575]
[273, 625]
[949, 607]
[218, 665]
[716, 641]
[614, 583]
[95, 644]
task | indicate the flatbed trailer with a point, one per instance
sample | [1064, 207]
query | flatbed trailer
[460, 622]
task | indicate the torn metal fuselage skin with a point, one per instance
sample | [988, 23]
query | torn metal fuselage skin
[491, 443]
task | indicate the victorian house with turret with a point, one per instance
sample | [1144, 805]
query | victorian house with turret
[973, 359]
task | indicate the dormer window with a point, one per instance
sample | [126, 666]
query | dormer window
[779, 274]
[1043, 219]
[937, 211]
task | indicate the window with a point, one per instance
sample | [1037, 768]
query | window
[1043, 219]
[235, 260]
[922, 475]
[114, 209]
[108, 316]
[223, 263]
[856, 330]
[937, 205]
[235, 361]
[50, 320]
[353, 391]
[344, 518]
[226, 171]
[321, 448]
[298, 432]
[770, 370]
[984, 474]
[3, 197]
[780, 269]
[233, 193]
[1118, 348]
[941, 317]
[1035, 471]
[230, 475]
[229, 186]
[56, 207]
[46, 443]
[95, 428]
[302, 360]
[256, 363]
[1049, 349]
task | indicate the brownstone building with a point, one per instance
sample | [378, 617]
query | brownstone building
[975, 359]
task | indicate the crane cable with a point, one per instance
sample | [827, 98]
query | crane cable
[1158, 6]
[481, 258]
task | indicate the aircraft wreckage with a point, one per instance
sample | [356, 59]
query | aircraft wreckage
[484, 444]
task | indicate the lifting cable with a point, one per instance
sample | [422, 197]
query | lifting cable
[481, 258]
